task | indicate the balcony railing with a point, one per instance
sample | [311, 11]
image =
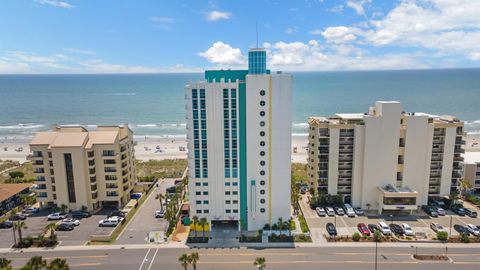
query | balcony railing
[38, 162]
[39, 170]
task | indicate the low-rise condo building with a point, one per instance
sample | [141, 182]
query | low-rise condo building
[84, 169]
[472, 169]
[386, 159]
[239, 139]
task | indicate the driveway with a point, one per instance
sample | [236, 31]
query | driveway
[144, 220]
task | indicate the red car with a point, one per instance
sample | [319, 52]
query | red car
[362, 228]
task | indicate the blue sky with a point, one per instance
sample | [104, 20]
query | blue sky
[120, 36]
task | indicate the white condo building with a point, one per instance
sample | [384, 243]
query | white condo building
[239, 140]
[385, 159]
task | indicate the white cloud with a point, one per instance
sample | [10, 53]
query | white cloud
[339, 34]
[336, 9]
[55, 3]
[475, 55]
[79, 51]
[223, 54]
[291, 30]
[162, 22]
[216, 15]
[357, 5]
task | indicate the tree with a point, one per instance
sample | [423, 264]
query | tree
[19, 226]
[194, 259]
[51, 227]
[35, 263]
[280, 224]
[58, 264]
[184, 260]
[377, 236]
[5, 264]
[356, 236]
[465, 186]
[195, 223]
[161, 197]
[289, 226]
[16, 174]
[203, 222]
[260, 263]
[442, 236]
[63, 208]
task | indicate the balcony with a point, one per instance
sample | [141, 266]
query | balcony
[125, 188]
[40, 179]
[112, 194]
[90, 154]
[346, 134]
[345, 150]
[37, 162]
[124, 156]
[124, 172]
[92, 171]
[458, 158]
[459, 150]
[456, 175]
[91, 163]
[123, 148]
[437, 150]
[125, 180]
[41, 187]
[94, 195]
[111, 186]
[124, 164]
[344, 183]
[93, 179]
[93, 187]
[39, 170]
[460, 142]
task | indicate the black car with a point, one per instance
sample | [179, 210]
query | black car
[431, 211]
[372, 228]
[80, 214]
[6, 224]
[117, 213]
[172, 189]
[64, 227]
[18, 217]
[461, 229]
[397, 229]
[331, 229]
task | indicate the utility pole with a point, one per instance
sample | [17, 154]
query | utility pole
[449, 234]
[376, 252]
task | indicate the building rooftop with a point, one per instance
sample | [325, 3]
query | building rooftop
[471, 157]
[8, 190]
[392, 189]
[351, 116]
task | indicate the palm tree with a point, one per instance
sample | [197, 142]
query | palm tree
[14, 235]
[19, 226]
[184, 260]
[64, 208]
[194, 259]
[195, 222]
[289, 226]
[5, 264]
[465, 186]
[51, 227]
[280, 224]
[260, 263]
[58, 264]
[203, 222]
[36, 263]
[161, 197]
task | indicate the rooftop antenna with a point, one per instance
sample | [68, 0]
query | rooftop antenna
[256, 30]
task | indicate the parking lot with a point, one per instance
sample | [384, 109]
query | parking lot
[419, 221]
[144, 220]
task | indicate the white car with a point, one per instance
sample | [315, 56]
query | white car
[110, 222]
[437, 227]
[71, 221]
[159, 214]
[56, 216]
[408, 230]
[330, 211]
[473, 229]
[384, 228]
[440, 211]
[30, 210]
[320, 211]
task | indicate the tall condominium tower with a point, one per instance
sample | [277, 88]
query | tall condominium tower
[84, 169]
[385, 159]
[239, 140]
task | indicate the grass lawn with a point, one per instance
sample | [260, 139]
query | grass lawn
[26, 168]
[168, 168]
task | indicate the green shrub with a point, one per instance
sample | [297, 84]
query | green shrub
[16, 174]
[356, 237]
[442, 236]
[377, 236]
[302, 238]
[408, 238]
[303, 223]
[293, 226]
[464, 238]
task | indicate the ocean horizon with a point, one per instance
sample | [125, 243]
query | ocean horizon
[153, 104]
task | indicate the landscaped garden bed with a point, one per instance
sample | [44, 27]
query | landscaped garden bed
[431, 257]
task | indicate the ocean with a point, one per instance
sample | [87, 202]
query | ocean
[153, 104]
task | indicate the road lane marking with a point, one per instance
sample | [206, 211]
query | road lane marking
[144, 259]
[63, 257]
[153, 258]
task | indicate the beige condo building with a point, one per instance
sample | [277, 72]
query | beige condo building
[81, 168]
[386, 159]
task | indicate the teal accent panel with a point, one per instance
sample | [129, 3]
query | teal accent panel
[242, 93]
[217, 75]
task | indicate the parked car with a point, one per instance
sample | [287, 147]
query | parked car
[373, 228]
[339, 211]
[384, 229]
[330, 211]
[349, 210]
[56, 216]
[430, 210]
[70, 221]
[64, 227]
[461, 229]
[6, 224]
[358, 211]
[407, 229]
[135, 196]
[459, 210]
[362, 228]
[437, 227]
[110, 222]
[440, 211]
[470, 212]
[116, 213]
[331, 229]
[159, 214]
[30, 210]
[80, 214]
[473, 229]
[18, 216]
[397, 229]
[171, 190]
[320, 211]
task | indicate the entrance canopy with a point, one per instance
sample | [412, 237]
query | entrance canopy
[394, 198]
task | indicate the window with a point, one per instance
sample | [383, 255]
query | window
[69, 176]
[227, 192]
[228, 211]
[199, 211]
[262, 153]
[205, 202]
[262, 163]
[198, 193]
[198, 202]
[262, 191]
[227, 184]
[262, 200]
[262, 103]
[197, 184]
[205, 193]
[235, 201]
[262, 210]
[235, 211]
[206, 211]
[262, 123]
[205, 184]
[262, 92]
[262, 143]
[262, 133]
[227, 202]
[234, 184]
[234, 192]
[262, 113]
[262, 172]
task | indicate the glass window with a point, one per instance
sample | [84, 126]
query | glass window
[198, 202]
[262, 191]
[235, 184]
[205, 184]
[235, 210]
[199, 211]
[262, 123]
[262, 153]
[262, 143]
[205, 202]
[205, 193]
[262, 210]
[262, 163]
[235, 192]
[262, 172]
[227, 192]
[262, 133]
[262, 103]
[262, 200]
[227, 202]
[227, 184]
[206, 211]
[262, 113]
[198, 193]
[262, 92]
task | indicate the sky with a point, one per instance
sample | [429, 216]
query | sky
[151, 36]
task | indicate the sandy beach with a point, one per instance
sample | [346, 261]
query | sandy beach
[169, 148]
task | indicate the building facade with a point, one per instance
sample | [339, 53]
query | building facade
[472, 169]
[385, 159]
[239, 140]
[84, 169]
[10, 195]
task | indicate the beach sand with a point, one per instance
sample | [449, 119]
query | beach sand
[146, 149]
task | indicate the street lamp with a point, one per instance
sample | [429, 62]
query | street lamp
[449, 234]
[391, 219]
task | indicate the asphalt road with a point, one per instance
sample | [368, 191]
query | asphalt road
[144, 220]
[391, 258]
